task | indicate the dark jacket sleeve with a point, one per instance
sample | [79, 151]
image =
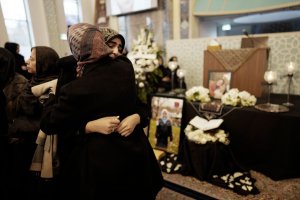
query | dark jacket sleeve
[62, 116]
[143, 111]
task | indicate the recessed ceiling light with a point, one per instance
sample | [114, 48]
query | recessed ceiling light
[268, 17]
[226, 27]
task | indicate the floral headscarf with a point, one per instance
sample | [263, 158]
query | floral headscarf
[110, 34]
[87, 45]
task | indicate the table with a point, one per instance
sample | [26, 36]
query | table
[263, 141]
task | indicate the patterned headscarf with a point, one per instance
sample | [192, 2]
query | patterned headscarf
[87, 45]
[110, 34]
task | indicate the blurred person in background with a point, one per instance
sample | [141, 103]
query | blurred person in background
[20, 65]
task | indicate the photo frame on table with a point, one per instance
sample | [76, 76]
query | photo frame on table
[164, 132]
[219, 83]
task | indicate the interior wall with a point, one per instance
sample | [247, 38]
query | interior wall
[206, 29]
[3, 34]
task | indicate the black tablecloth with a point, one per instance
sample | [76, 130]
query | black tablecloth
[262, 141]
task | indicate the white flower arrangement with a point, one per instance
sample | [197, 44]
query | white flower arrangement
[144, 52]
[236, 98]
[198, 93]
[200, 137]
[144, 60]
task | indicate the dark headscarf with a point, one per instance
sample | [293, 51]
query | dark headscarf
[11, 46]
[19, 59]
[7, 67]
[46, 68]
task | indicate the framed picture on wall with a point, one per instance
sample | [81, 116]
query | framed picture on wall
[218, 83]
[165, 123]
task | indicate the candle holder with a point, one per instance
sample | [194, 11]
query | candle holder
[181, 74]
[271, 77]
[288, 103]
[290, 68]
[172, 66]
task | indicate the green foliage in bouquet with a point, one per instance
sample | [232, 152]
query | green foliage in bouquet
[149, 85]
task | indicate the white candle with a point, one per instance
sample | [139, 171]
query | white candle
[290, 68]
[270, 76]
[180, 73]
[172, 65]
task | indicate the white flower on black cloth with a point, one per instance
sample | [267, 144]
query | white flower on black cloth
[239, 182]
[169, 163]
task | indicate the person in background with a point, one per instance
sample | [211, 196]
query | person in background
[16, 84]
[176, 78]
[25, 126]
[113, 158]
[20, 65]
[6, 64]
[165, 82]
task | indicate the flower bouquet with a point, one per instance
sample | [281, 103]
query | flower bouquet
[236, 98]
[144, 59]
[198, 93]
[201, 137]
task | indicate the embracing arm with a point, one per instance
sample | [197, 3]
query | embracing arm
[63, 116]
[107, 125]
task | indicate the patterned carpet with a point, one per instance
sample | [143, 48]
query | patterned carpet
[288, 189]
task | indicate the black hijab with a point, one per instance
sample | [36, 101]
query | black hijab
[46, 68]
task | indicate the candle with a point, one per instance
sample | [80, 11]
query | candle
[172, 65]
[290, 68]
[270, 76]
[180, 73]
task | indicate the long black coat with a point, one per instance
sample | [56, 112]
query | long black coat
[100, 165]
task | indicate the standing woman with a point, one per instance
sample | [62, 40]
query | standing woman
[27, 109]
[116, 161]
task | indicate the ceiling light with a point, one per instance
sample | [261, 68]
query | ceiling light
[226, 27]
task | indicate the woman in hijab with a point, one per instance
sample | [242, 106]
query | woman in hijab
[27, 110]
[67, 74]
[116, 161]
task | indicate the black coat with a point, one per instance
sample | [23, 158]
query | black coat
[99, 164]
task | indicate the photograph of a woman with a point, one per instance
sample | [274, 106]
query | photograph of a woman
[219, 83]
[163, 130]
[165, 123]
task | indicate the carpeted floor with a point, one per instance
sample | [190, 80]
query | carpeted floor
[288, 189]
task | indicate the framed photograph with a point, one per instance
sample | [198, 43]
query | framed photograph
[165, 123]
[218, 83]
